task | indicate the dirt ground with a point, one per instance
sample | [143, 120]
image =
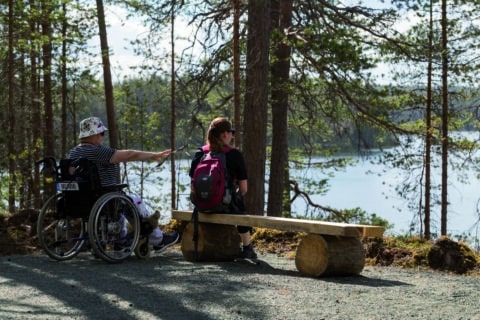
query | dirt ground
[169, 287]
[18, 234]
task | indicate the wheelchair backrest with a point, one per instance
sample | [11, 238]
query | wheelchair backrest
[79, 182]
[81, 170]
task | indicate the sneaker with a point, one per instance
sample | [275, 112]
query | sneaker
[248, 252]
[168, 241]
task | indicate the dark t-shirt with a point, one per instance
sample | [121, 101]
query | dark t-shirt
[100, 155]
[236, 167]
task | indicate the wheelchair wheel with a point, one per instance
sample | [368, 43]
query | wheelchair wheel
[142, 250]
[114, 227]
[61, 237]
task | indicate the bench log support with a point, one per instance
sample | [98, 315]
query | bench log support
[216, 242]
[322, 255]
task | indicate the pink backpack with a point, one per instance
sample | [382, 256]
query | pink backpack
[209, 190]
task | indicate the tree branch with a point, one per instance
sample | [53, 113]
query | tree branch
[303, 194]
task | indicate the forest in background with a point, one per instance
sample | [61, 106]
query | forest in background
[298, 79]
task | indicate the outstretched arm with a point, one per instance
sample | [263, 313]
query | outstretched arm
[137, 155]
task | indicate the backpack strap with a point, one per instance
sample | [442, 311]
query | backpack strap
[195, 233]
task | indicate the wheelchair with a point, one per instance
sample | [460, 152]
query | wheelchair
[83, 212]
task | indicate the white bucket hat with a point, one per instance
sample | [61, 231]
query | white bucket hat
[90, 127]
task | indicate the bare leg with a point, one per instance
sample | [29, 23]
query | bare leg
[247, 250]
[245, 238]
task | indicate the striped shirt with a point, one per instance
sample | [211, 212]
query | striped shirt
[100, 155]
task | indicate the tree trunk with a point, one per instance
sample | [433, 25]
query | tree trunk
[11, 110]
[36, 117]
[107, 77]
[236, 72]
[63, 72]
[49, 137]
[428, 134]
[277, 189]
[172, 112]
[256, 101]
[445, 120]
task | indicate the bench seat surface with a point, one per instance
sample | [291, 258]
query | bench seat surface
[286, 224]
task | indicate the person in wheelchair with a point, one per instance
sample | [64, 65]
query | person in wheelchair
[107, 161]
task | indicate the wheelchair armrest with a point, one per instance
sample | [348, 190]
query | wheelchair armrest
[115, 187]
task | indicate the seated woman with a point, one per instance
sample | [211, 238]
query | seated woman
[219, 137]
[107, 161]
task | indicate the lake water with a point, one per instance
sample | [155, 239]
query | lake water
[364, 185]
[371, 188]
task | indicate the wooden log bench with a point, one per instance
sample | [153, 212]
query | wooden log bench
[329, 248]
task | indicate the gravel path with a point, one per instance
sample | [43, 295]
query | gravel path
[168, 287]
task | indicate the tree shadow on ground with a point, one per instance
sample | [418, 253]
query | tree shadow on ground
[283, 267]
[84, 287]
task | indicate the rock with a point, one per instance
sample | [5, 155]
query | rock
[449, 255]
